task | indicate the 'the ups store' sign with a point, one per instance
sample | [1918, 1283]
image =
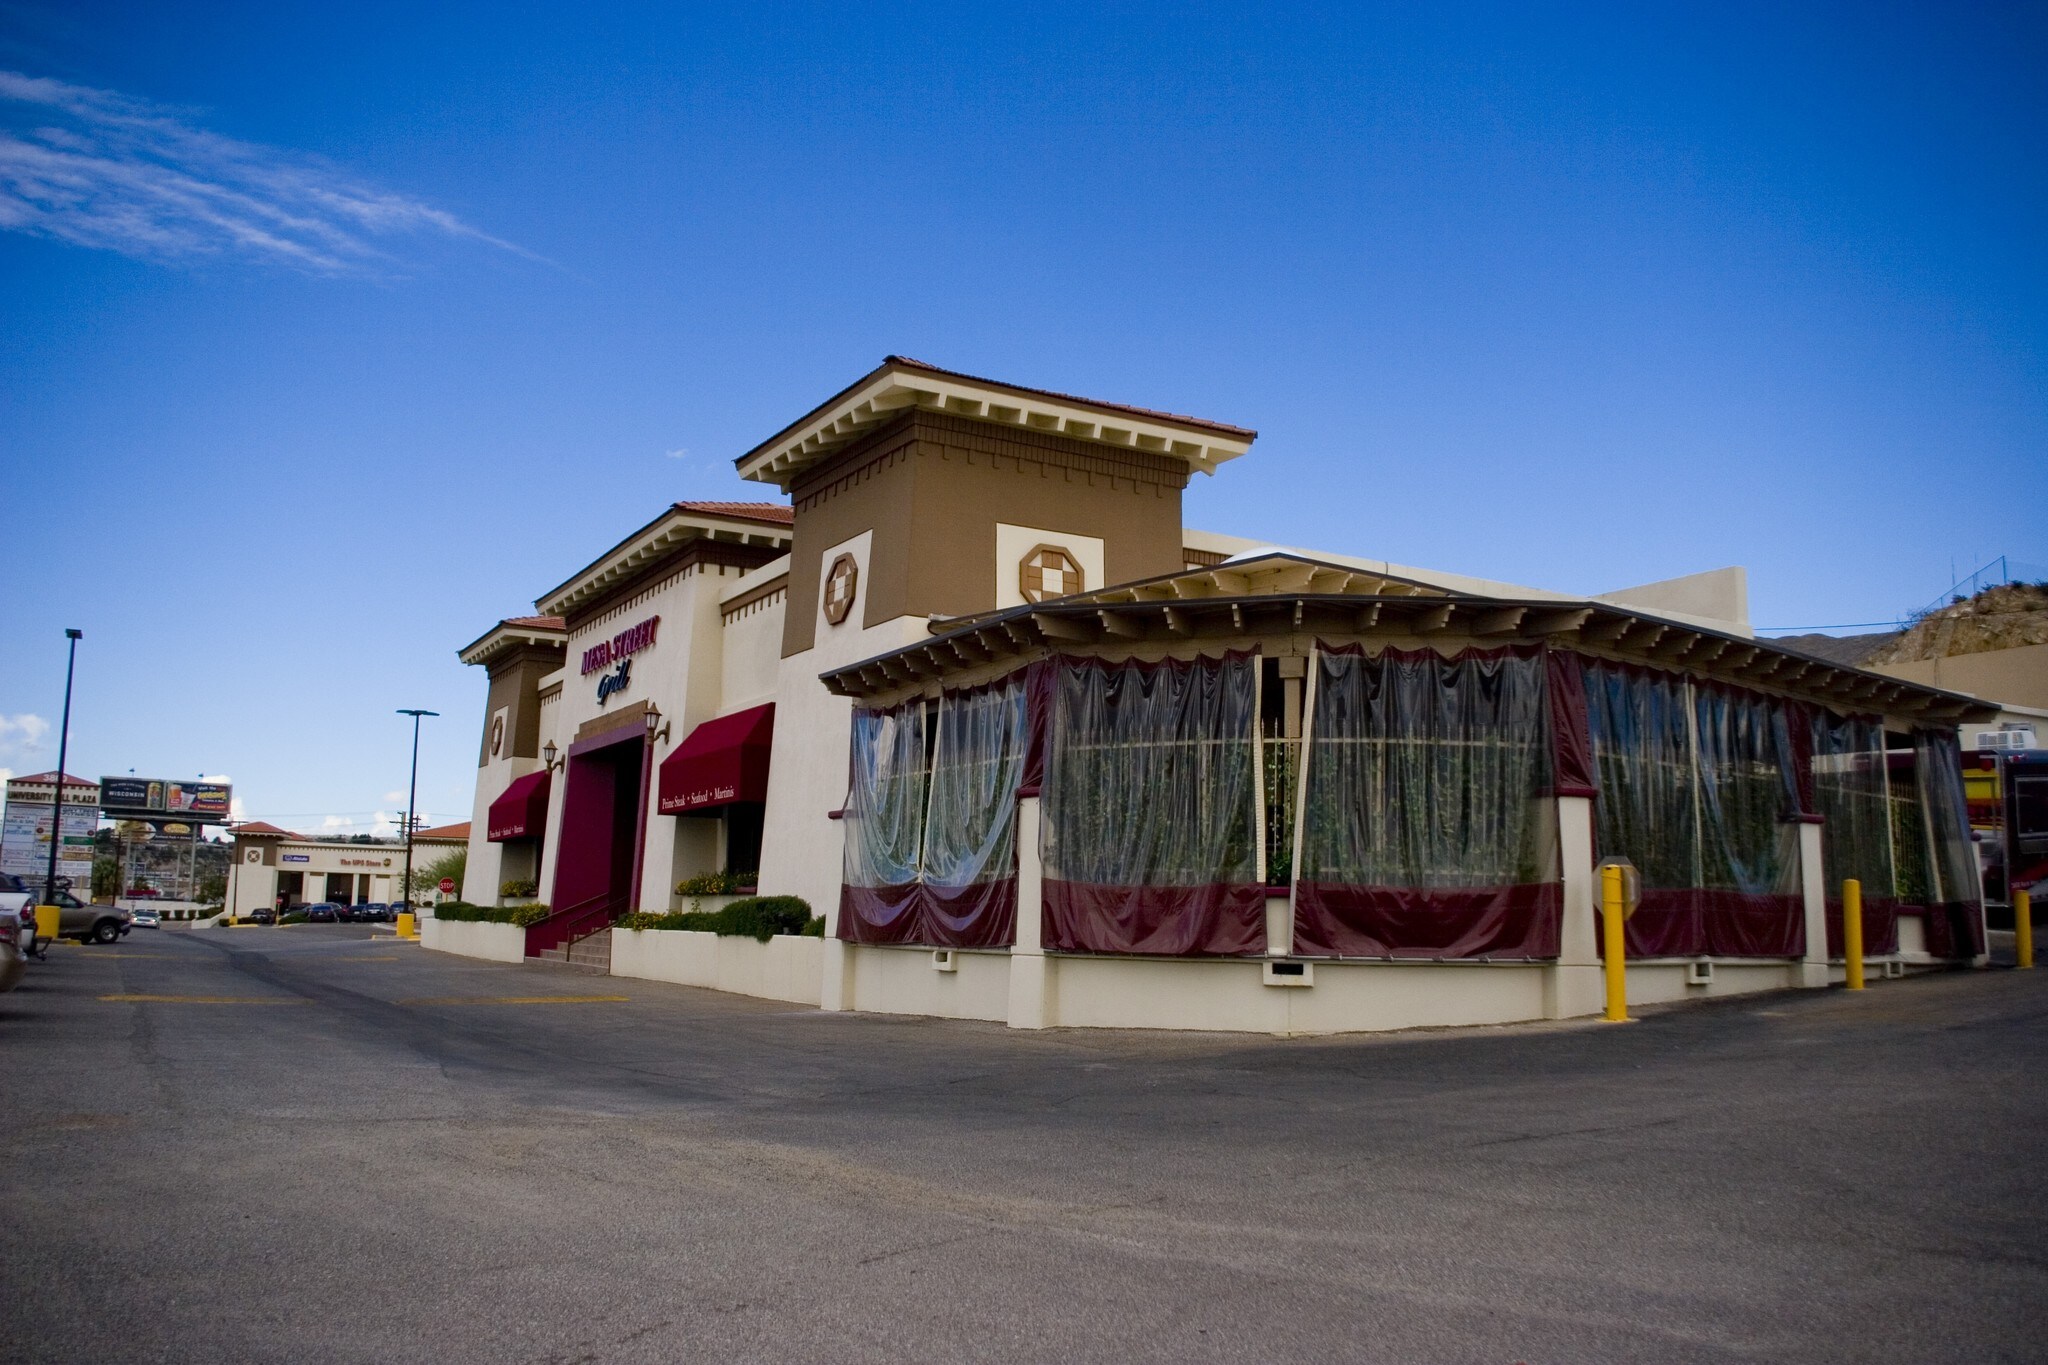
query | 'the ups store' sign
[618, 650]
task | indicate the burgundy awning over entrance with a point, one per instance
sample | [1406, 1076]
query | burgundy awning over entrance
[522, 812]
[721, 761]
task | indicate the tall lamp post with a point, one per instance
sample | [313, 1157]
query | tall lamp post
[63, 756]
[412, 792]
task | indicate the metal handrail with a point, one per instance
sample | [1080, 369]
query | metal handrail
[571, 922]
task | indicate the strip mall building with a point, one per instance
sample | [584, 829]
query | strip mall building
[1040, 754]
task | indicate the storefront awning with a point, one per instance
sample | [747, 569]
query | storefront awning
[720, 762]
[522, 812]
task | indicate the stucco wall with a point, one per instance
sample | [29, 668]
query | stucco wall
[491, 942]
[786, 967]
[2019, 676]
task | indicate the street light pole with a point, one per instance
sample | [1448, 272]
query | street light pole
[412, 792]
[63, 756]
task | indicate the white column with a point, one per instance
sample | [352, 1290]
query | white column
[1574, 986]
[1813, 889]
[835, 992]
[1032, 1003]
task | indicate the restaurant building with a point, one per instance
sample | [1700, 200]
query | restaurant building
[1040, 753]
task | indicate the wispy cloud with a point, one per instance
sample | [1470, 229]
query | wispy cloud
[102, 169]
[679, 453]
[22, 735]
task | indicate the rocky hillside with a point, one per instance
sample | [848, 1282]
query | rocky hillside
[2003, 617]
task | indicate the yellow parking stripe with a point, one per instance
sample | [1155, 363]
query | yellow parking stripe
[521, 1000]
[202, 1000]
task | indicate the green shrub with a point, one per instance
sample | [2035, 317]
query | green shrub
[520, 915]
[519, 890]
[756, 917]
[716, 883]
[294, 918]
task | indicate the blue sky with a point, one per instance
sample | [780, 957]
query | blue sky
[314, 316]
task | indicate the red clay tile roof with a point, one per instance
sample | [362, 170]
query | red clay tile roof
[261, 828]
[449, 833]
[51, 776]
[536, 622]
[1180, 417]
[774, 513]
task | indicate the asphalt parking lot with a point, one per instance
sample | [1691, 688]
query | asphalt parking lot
[315, 1144]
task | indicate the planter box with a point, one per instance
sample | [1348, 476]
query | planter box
[492, 942]
[786, 967]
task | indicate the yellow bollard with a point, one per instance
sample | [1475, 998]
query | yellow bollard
[48, 920]
[1852, 933]
[408, 925]
[1614, 945]
[2023, 926]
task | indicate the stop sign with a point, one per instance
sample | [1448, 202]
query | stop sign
[447, 885]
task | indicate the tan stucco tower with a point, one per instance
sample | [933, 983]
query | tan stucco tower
[920, 493]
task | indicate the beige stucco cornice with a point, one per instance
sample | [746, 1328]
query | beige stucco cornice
[510, 635]
[667, 534]
[900, 385]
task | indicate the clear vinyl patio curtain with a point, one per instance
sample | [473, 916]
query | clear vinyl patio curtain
[1426, 828]
[1851, 797]
[1150, 808]
[931, 854]
[1700, 787]
[1954, 899]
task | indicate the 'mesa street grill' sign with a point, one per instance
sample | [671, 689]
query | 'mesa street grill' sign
[614, 657]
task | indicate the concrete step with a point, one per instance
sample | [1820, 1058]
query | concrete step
[594, 951]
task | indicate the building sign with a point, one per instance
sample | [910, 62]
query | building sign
[140, 798]
[624, 645]
[615, 681]
[295, 857]
[619, 651]
[364, 862]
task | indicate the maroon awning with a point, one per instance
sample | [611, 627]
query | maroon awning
[522, 812]
[720, 762]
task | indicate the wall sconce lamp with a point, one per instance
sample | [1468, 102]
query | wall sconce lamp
[656, 728]
[548, 755]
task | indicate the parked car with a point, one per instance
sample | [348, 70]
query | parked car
[145, 919]
[375, 912]
[260, 917]
[322, 912]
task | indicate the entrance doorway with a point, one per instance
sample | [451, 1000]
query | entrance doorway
[600, 807]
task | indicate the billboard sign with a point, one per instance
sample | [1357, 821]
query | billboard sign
[141, 798]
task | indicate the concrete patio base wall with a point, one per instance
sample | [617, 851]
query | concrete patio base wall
[492, 942]
[786, 967]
